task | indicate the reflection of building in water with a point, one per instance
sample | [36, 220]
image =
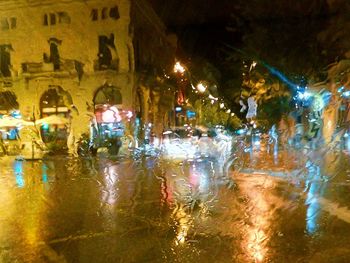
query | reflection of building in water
[18, 169]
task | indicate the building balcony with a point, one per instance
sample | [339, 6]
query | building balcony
[34, 69]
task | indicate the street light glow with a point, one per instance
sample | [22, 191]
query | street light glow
[201, 87]
[212, 97]
[178, 68]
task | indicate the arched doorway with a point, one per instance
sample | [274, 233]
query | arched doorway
[108, 95]
[55, 101]
[108, 112]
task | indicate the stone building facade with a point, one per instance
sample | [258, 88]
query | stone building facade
[77, 49]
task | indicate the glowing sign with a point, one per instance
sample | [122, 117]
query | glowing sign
[111, 115]
[190, 114]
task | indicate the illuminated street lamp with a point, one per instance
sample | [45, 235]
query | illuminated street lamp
[201, 87]
[178, 68]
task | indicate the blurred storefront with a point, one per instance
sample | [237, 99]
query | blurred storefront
[53, 103]
[185, 115]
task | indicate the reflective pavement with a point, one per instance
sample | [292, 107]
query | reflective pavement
[282, 208]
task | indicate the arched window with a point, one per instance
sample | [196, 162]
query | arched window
[52, 102]
[107, 103]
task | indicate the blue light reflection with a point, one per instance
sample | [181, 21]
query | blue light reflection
[315, 187]
[18, 170]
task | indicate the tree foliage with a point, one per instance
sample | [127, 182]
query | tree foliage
[212, 115]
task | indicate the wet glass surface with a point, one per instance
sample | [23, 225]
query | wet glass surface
[150, 209]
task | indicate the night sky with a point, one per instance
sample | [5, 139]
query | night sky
[199, 25]
[204, 27]
[299, 38]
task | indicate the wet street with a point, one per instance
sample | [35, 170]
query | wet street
[277, 209]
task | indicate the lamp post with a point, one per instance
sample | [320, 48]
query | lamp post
[180, 93]
[201, 88]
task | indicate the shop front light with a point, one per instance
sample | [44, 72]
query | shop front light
[178, 109]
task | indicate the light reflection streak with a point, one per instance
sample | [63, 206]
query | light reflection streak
[184, 221]
[7, 202]
[315, 186]
[109, 196]
[34, 210]
[18, 169]
[260, 216]
[191, 197]
[44, 169]
[199, 178]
